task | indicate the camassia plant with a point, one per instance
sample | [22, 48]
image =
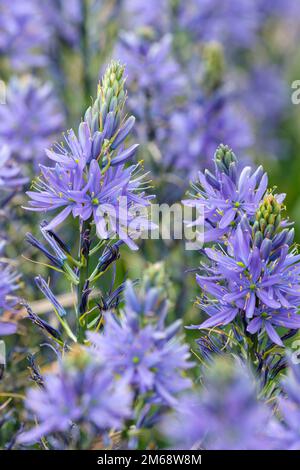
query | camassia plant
[93, 181]
[250, 271]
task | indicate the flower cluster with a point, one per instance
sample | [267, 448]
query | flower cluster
[143, 15]
[210, 20]
[63, 18]
[154, 74]
[30, 120]
[176, 113]
[252, 276]
[89, 179]
[24, 36]
[150, 356]
[83, 393]
[224, 415]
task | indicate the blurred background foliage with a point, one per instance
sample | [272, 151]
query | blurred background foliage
[198, 74]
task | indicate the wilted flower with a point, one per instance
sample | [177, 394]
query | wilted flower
[30, 120]
[224, 415]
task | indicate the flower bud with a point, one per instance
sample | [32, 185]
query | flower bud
[224, 159]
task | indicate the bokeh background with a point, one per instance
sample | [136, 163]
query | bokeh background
[199, 73]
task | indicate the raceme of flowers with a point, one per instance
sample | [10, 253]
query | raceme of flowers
[31, 119]
[89, 179]
[252, 274]
[122, 374]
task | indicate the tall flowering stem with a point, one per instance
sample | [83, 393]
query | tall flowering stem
[249, 277]
[92, 181]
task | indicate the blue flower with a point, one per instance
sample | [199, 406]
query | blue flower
[224, 415]
[31, 119]
[9, 284]
[86, 395]
[24, 34]
[286, 432]
[148, 356]
[228, 194]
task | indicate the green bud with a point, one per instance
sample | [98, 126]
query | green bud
[214, 65]
[224, 158]
[268, 216]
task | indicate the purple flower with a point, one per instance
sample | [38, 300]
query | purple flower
[9, 171]
[154, 77]
[112, 199]
[24, 35]
[216, 20]
[89, 179]
[228, 194]
[63, 18]
[150, 357]
[286, 432]
[248, 282]
[138, 14]
[30, 120]
[223, 415]
[9, 283]
[193, 133]
[86, 395]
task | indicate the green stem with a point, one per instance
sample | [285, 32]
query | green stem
[83, 275]
[85, 53]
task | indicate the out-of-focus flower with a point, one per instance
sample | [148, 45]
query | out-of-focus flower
[30, 120]
[64, 18]
[253, 275]
[84, 394]
[10, 176]
[9, 284]
[194, 132]
[155, 14]
[148, 355]
[24, 35]
[154, 78]
[224, 415]
[228, 194]
[286, 433]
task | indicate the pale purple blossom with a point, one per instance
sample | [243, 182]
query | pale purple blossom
[31, 119]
